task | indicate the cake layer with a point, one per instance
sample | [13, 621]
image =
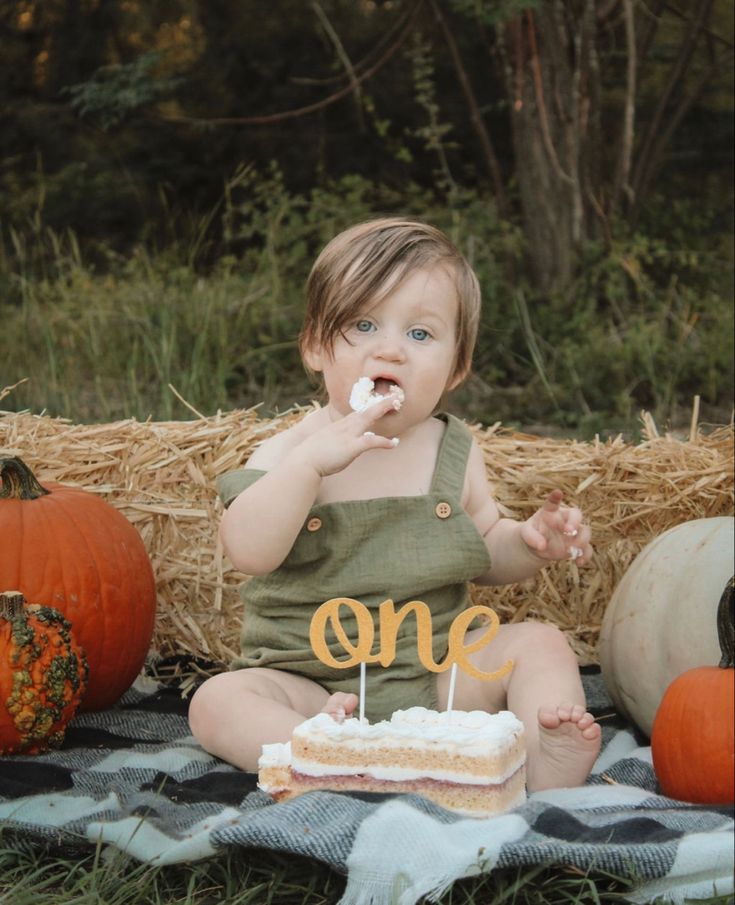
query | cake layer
[466, 799]
[455, 746]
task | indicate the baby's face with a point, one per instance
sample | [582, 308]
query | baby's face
[408, 339]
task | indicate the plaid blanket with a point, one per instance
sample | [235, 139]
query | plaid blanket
[133, 777]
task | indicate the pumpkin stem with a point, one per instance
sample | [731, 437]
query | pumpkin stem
[726, 625]
[11, 605]
[18, 481]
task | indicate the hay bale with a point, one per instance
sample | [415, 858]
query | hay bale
[161, 476]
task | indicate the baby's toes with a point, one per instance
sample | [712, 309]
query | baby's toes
[576, 713]
[549, 717]
[591, 729]
[586, 720]
[566, 711]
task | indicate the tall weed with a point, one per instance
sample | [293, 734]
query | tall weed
[214, 309]
[100, 347]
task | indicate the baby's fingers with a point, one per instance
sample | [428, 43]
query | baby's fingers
[553, 501]
[552, 515]
[572, 521]
[533, 538]
[580, 548]
[367, 419]
[378, 410]
[376, 441]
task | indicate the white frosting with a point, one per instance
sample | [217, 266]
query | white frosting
[475, 734]
[362, 395]
[276, 755]
[472, 731]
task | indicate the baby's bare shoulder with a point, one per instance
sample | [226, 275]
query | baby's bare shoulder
[477, 493]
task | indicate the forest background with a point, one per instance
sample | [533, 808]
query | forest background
[170, 169]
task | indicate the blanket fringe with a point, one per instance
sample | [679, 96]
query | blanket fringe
[401, 892]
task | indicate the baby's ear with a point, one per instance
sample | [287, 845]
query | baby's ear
[456, 379]
[313, 357]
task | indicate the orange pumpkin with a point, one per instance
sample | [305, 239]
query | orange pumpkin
[68, 549]
[43, 675]
[693, 738]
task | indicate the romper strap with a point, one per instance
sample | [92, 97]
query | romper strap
[451, 462]
[233, 483]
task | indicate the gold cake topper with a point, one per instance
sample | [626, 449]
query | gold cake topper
[389, 621]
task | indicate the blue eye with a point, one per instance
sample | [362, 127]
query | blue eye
[419, 334]
[364, 326]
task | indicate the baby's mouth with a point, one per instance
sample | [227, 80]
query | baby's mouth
[383, 386]
[367, 392]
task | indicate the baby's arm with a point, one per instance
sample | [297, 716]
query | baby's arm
[519, 549]
[261, 524]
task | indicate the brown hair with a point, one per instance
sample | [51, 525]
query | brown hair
[360, 265]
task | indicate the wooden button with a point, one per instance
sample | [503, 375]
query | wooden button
[314, 524]
[443, 510]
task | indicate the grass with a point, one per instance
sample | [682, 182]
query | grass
[32, 878]
[102, 347]
[97, 336]
[253, 877]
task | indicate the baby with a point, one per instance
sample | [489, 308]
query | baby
[336, 507]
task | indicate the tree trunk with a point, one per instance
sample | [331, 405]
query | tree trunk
[551, 79]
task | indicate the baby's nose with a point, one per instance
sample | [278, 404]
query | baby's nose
[390, 346]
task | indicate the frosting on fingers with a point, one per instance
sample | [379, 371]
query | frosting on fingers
[362, 396]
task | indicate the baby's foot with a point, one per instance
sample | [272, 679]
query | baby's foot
[568, 745]
[340, 705]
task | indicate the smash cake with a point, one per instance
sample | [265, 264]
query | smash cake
[363, 396]
[473, 762]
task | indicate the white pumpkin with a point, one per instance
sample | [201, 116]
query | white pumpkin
[661, 619]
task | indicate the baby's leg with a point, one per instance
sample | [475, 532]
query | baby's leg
[233, 714]
[545, 692]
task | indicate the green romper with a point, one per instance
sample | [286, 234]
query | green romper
[398, 548]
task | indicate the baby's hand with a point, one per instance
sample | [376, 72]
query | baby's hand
[339, 443]
[558, 532]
